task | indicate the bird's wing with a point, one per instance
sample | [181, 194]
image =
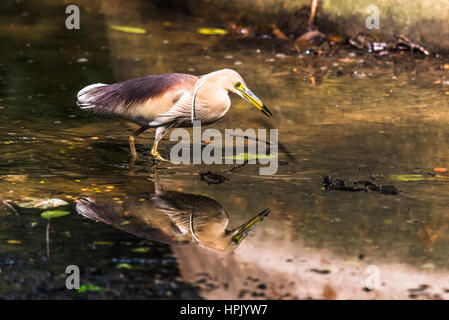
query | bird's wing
[145, 97]
[178, 113]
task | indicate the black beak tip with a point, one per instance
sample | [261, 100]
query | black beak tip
[266, 111]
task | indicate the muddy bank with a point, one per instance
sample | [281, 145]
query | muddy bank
[422, 21]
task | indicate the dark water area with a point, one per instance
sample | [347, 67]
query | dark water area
[346, 115]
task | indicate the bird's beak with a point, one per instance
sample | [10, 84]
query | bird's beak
[241, 232]
[249, 96]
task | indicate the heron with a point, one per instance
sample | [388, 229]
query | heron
[170, 100]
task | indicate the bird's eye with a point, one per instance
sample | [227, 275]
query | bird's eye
[238, 85]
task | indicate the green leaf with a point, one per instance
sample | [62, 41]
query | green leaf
[250, 156]
[54, 214]
[211, 31]
[408, 177]
[141, 249]
[127, 29]
[90, 287]
[124, 266]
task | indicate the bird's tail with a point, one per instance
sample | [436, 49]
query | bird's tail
[88, 96]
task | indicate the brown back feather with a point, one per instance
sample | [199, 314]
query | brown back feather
[120, 98]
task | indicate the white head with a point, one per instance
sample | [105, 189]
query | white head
[231, 81]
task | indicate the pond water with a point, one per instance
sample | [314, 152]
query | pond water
[346, 115]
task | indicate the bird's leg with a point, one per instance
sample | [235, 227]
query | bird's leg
[160, 132]
[133, 137]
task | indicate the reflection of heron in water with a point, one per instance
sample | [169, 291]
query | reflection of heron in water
[170, 217]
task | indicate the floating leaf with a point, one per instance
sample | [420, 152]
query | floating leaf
[428, 266]
[211, 31]
[124, 266]
[14, 177]
[38, 203]
[250, 156]
[90, 287]
[408, 177]
[420, 177]
[142, 249]
[103, 243]
[127, 29]
[54, 214]
[14, 241]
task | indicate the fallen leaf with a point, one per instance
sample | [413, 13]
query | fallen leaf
[141, 249]
[90, 287]
[14, 177]
[211, 31]
[37, 203]
[103, 243]
[335, 39]
[127, 29]
[54, 214]
[250, 156]
[279, 34]
[408, 177]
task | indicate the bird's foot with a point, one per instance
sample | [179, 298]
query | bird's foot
[157, 156]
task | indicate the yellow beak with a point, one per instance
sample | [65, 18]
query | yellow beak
[251, 97]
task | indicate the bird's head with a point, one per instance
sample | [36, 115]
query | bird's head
[233, 82]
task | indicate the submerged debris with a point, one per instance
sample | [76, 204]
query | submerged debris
[320, 271]
[37, 203]
[404, 43]
[9, 207]
[212, 178]
[357, 186]
[401, 43]
[309, 40]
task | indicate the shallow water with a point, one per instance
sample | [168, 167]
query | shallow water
[348, 115]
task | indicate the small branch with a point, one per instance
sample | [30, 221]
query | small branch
[10, 207]
[313, 11]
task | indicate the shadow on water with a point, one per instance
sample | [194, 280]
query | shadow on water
[346, 115]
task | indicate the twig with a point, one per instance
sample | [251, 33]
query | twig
[10, 207]
[313, 10]
[47, 238]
